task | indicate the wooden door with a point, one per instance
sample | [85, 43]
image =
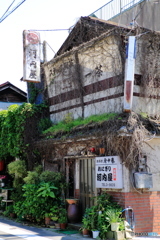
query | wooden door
[87, 182]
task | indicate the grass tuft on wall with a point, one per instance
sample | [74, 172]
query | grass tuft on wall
[68, 125]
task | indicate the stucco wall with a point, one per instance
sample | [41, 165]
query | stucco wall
[88, 80]
[151, 150]
[81, 81]
[146, 15]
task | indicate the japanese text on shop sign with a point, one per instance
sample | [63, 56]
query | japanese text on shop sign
[31, 56]
[108, 172]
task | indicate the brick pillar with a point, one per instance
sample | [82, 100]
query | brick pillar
[76, 193]
[146, 207]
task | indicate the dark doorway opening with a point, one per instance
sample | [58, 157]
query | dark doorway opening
[70, 172]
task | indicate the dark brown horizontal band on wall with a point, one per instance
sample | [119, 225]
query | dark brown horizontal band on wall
[144, 96]
[100, 100]
[89, 102]
[102, 85]
[91, 88]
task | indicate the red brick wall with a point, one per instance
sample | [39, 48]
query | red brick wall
[146, 207]
[76, 193]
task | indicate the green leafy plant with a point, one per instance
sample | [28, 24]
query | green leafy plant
[33, 92]
[14, 128]
[68, 118]
[40, 195]
[46, 190]
[33, 206]
[95, 216]
[17, 169]
[113, 215]
[55, 178]
[44, 123]
[9, 209]
[18, 208]
[33, 177]
[121, 225]
[62, 215]
[54, 212]
[86, 223]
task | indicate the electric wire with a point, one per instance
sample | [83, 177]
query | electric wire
[50, 47]
[19, 4]
[139, 11]
[38, 30]
[8, 9]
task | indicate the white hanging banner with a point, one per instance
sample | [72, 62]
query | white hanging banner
[31, 62]
[129, 73]
[108, 172]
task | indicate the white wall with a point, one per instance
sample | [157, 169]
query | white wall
[98, 60]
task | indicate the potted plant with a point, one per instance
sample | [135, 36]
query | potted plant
[93, 216]
[113, 217]
[47, 218]
[54, 213]
[62, 219]
[9, 212]
[86, 227]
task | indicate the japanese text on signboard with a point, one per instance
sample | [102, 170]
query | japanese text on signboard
[108, 172]
[31, 56]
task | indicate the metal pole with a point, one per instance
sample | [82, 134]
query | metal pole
[120, 5]
[45, 51]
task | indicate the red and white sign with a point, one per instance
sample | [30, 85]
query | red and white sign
[108, 172]
[31, 67]
[129, 73]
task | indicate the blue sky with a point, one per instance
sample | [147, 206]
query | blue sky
[36, 14]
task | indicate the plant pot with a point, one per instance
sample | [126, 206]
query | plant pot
[110, 235]
[12, 215]
[85, 232]
[63, 225]
[72, 201]
[119, 235]
[47, 220]
[115, 226]
[73, 213]
[95, 234]
[57, 225]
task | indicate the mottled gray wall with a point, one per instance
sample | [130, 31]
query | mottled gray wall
[147, 15]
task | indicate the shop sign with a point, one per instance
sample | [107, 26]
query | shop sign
[108, 172]
[129, 73]
[31, 46]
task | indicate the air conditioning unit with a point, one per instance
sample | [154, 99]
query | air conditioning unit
[143, 180]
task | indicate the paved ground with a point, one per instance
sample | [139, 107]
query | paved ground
[11, 230]
[17, 231]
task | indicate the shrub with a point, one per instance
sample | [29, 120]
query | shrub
[95, 217]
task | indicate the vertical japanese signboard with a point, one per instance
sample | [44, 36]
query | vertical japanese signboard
[129, 73]
[31, 64]
[108, 172]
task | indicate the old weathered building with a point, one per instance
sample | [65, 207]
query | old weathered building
[87, 78]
